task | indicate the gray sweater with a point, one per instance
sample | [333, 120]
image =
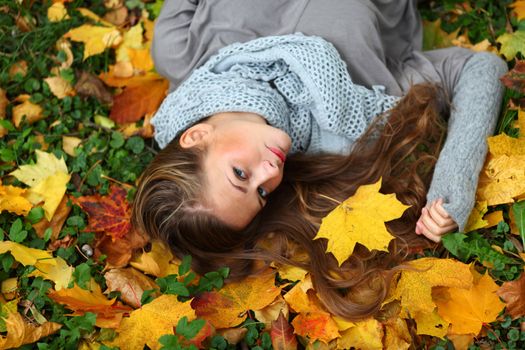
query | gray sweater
[380, 40]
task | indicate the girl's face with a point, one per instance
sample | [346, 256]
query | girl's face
[243, 164]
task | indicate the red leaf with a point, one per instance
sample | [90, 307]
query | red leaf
[515, 78]
[138, 100]
[513, 293]
[108, 214]
[282, 334]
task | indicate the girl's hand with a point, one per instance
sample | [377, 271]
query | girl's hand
[435, 221]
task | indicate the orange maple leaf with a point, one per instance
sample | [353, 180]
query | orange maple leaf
[137, 101]
[228, 307]
[108, 214]
[282, 334]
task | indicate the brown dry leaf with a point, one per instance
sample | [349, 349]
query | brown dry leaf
[145, 325]
[90, 85]
[131, 284]
[70, 144]
[118, 252]
[109, 311]
[156, 262]
[13, 200]
[19, 332]
[397, 336]
[365, 334]
[360, 219]
[137, 101]
[513, 293]
[27, 110]
[60, 87]
[282, 334]
[228, 307]
[3, 103]
[56, 223]
[117, 16]
[233, 335]
[19, 67]
[467, 309]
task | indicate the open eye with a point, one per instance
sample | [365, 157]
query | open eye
[262, 192]
[240, 174]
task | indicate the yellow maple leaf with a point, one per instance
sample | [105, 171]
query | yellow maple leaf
[95, 38]
[468, 309]
[520, 123]
[145, 325]
[48, 267]
[57, 12]
[132, 40]
[397, 336]
[365, 334]
[414, 287]
[360, 219]
[47, 180]
[431, 323]
[157, 261]
[12, 199]
[475, 220]
[20, 332]
[27, 110]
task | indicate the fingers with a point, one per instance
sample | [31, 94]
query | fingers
[435, 221]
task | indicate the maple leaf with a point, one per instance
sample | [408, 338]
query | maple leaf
[467, 309]
[20, 332]
[414, 287]
[107, 214]
[147, 324]
[130, 283]
[365, 334]
[156, 262]
[397, 336]
[54, 269]
[27, 110]
[132, 40]
[95, 38]
[514, 79]
[281, 334]
[118, 252]
[513, 293]
[475, 220]
[47, 180]
[511, 44]
[360, 219]
[138, 100]
[431, 323]
[519, 9]
[12, 199]
[109, 311]
[228, 307]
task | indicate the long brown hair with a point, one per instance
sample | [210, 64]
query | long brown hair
[401, 147]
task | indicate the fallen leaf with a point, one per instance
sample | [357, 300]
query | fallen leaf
[282, 334]
[147, 324]
[70, 144]
[20, 332]
[109, 311]
[366, 334]
[494, 218]
[89, 85]
[512, 44]
[145, 131]
[132, 40]
[475, 220]
[108, 214]
[467, 309]
[434, 37]
[360, 219]
[141, 59]
[96, 39]
[315, 326]
[27, 110]
[123, 69]
[90, 14]
[397, 336]
[3, 103]
[9, 288]
[47, 180]
[57, 12]
[156, 262]
[131, 284]
[233, 335]
[513, 293]
[514, 79]
[461, 341]
[56, 223]
[271, 312]
[228, 307]
[19, 68]
[13, 200]
[519, 9]
[136, 101]
[60, 87]
[119, 252]
[65, 46]
[118, 76]
[430, 323]
[117, 16]
[59, 272]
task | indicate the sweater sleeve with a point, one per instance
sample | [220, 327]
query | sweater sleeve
[476, 104]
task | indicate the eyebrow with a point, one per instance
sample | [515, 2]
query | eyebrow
[244, 190]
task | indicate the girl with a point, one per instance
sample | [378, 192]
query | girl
[263, 139]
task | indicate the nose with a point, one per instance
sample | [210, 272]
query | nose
[271, 169]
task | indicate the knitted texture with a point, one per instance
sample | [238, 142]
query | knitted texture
[297, 83]
[476, 103]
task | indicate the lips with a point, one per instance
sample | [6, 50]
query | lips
[280, 154]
